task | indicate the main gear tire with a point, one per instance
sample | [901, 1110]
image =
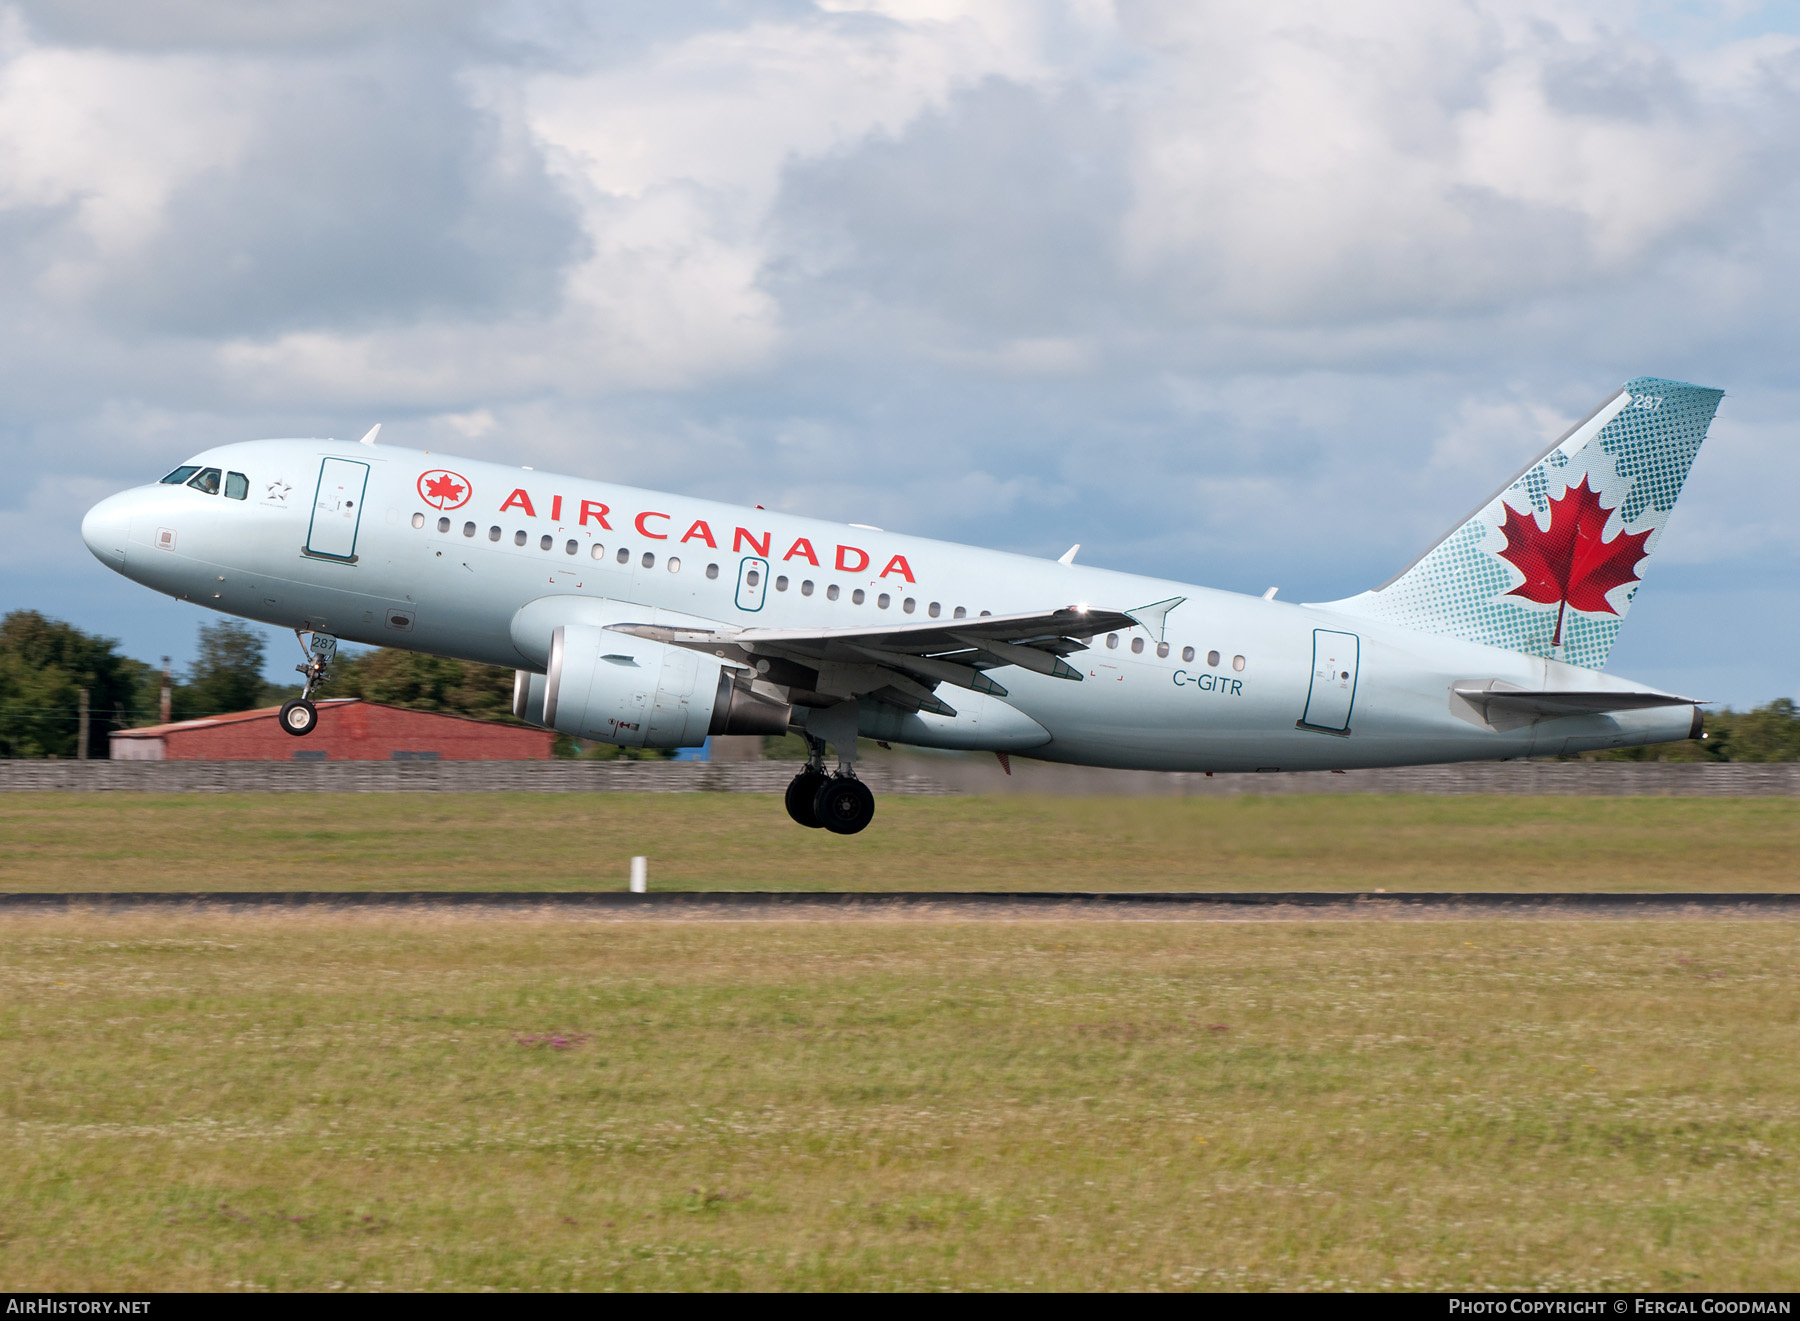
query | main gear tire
[801, 792]
[299, 717]
[844, 805]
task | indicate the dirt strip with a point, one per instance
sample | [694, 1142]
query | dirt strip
[766, 906]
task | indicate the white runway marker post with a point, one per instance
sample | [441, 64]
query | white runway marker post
[640, 875]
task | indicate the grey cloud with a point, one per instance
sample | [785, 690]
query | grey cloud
[243, 25]
[997, 215]
[373, 192]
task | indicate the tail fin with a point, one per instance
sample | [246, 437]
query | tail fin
[1548, 566]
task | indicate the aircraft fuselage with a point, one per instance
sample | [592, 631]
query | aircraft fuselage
[390, 546]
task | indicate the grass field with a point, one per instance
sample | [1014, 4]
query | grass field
[574, 841]
[324, 1102]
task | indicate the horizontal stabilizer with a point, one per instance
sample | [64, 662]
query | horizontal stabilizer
[1498, 696]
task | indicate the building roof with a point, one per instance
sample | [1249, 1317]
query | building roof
[270, 712]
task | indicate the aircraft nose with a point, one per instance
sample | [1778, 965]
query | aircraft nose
[106, 529]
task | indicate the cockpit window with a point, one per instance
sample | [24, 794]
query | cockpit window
[181, 474]
[237, 486]
[208, 481]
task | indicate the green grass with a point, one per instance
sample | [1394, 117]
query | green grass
[574, 841]
[369, 1102]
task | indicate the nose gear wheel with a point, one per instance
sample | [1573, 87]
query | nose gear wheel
[299, 717]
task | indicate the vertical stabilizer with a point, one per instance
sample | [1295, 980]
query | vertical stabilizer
[1550, 564]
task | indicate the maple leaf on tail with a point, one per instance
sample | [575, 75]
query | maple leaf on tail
[1568, 563]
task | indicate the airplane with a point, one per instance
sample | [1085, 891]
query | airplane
[655, 620]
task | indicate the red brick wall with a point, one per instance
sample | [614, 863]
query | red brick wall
[361, 731]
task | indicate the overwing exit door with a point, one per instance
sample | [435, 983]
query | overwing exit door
[1333, 690]
[337, 509]
[753, 583]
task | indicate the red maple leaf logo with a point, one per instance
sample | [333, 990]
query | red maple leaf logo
[443, 489]
[1568, 564]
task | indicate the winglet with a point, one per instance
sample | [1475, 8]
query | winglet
[1068, 556]
[370, 438]
[1155, 618]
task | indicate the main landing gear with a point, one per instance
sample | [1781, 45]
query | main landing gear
[840, 803]
[299, 716]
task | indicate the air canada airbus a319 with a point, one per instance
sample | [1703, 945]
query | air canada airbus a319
[653, 620]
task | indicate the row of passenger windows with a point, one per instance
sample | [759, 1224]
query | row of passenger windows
[753, 578]
[208, 480]
[1162, 651]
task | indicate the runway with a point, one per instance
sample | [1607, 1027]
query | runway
[763, 906]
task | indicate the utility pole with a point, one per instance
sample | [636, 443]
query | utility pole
[81, 739]
[167, 708]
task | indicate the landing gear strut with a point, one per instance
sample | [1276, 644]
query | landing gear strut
[840, 803]
[300, 717]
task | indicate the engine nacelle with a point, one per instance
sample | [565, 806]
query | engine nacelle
[642, 694]
[528, 697]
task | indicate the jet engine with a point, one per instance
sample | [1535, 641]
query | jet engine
[642, 694]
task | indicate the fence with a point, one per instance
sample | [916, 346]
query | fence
[895, 775]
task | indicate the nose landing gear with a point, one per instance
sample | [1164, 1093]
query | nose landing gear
[300, 717]
[840, 803]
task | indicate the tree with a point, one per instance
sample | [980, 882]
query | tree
[226, 675]
[44, 665]
[425, 683]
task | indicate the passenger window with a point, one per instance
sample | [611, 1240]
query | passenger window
[1162, 651]
[493, 534]
[468, 529]
[934, 610]
[712, 571]
[831, 592]
[624, 556]
[1187, 653]
[546, 541]
[959, 613]
[752, 578]
[599, 551]
[237, 486]
[1237, 662]
[858, 596]
[883, 600]
[781, 583]
[443, 525]
[571, 546]
[1212, 659]
[1112, 641]
[806, 587]
[674, 564]
[207, 481]
[984, 614]
[649, 560]
[418, 520]
[909, 605]
[181, 474]
[519, 537]
[1137, 646]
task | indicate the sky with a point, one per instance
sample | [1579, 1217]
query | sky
[1244, 295]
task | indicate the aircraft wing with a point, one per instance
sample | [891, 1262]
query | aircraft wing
[1500, 696]
[902, 664]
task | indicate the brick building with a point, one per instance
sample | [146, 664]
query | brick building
[349, 729]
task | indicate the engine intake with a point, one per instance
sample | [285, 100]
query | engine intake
[642, 694]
